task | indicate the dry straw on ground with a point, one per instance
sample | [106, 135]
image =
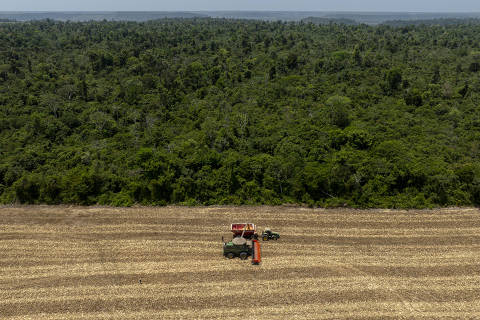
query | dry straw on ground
[166, 263]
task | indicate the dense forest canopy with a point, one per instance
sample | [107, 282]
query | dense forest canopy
[217, 111]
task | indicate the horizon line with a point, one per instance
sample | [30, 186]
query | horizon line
[227, 10]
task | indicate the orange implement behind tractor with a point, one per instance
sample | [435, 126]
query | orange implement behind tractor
[257, 258]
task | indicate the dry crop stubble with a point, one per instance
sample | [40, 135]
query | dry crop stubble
[166, 263]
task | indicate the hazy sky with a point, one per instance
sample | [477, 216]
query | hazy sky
[195, 5]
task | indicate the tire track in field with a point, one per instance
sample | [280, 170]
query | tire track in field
[166, 300]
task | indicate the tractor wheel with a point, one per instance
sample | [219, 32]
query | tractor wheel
[230, 255]
[265, 238]
[275, 238]
[243, 255]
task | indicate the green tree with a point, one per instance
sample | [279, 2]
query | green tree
[338, 110]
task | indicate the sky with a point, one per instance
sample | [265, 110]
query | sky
[274, 5]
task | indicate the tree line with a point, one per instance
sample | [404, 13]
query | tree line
[219, 111]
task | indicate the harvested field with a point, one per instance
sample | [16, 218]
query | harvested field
[166, 263]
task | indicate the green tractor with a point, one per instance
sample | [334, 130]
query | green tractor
[269, 235]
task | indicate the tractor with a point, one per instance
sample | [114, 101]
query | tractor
[269, 235]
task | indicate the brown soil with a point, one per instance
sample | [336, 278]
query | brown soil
[166, 263]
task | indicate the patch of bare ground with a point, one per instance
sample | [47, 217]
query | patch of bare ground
[166, 263]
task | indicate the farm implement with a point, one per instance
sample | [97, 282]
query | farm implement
[245, 242]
